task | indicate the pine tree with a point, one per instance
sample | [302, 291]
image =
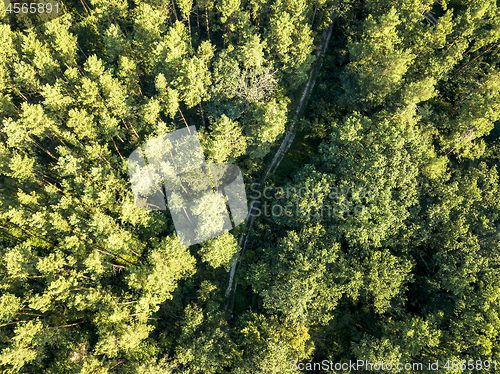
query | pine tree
[226, 140]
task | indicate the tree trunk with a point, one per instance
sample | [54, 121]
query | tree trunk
[206, 17]
[189, 27]
[197, 18]
[202, 117]
[175, 13]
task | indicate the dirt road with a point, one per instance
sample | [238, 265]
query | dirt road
[280, 153]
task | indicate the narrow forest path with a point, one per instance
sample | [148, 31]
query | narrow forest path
[280, 153]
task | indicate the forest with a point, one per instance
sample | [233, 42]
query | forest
[375, 232]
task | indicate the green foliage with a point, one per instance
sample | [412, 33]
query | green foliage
[377, 63]
[226, 140]
[390, 255]
[270, 345]
[219, 251]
